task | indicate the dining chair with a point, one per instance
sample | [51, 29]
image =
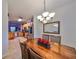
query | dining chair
[34, 55]
[24, 51]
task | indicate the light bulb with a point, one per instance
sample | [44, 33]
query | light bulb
[39, 17]
[45, 14]
[19, 20]
[48, 18]
[52, 14]
[45, 21]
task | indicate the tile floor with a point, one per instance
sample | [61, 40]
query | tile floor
[14, 51]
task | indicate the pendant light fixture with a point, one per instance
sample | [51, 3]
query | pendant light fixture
[44, 17]
[20, 19]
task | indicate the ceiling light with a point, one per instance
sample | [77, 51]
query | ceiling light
[52, 14]
[39, 17]
[45, 14]
[48, 18]
[45, 21]
[19, 20]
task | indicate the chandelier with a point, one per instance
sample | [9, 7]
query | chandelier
[44, 17]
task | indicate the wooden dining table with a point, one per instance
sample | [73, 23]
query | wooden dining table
[54, 52]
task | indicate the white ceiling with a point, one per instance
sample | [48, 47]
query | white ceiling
[28, 8]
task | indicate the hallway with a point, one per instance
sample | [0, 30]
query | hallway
[14, 51]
